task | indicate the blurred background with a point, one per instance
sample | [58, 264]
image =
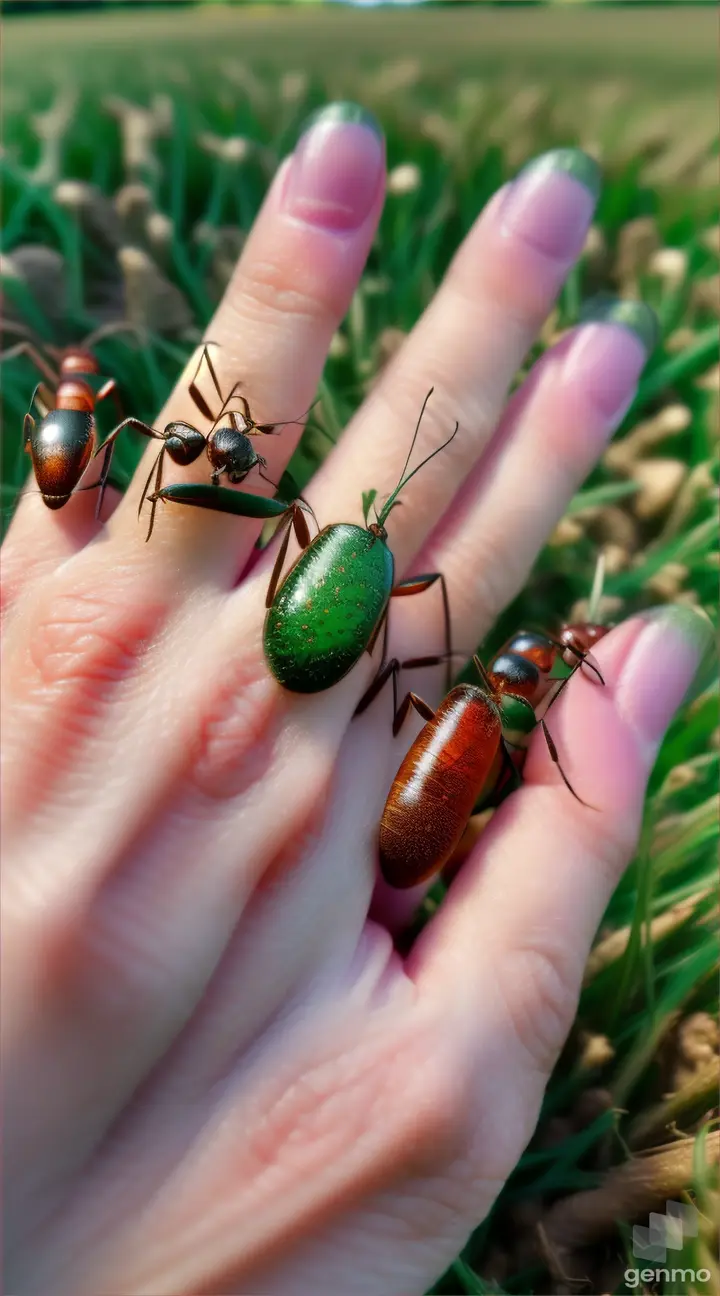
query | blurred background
[137, 147]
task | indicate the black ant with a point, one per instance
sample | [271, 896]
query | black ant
[62, 443]
[228, 447]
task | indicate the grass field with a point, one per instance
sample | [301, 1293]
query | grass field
[149, 232]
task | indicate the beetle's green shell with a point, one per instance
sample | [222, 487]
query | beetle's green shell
[323, 616]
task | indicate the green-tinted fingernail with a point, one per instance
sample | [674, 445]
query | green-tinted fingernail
[698, 631]
[342, 113]
[574, 162]
[633, 315]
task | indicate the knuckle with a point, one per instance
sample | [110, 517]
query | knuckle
[517, 279]
[90, 636]
[610, 843]
[539, 984]
[114, 965]
[384, 1091]
[235, 730]
[265, 295]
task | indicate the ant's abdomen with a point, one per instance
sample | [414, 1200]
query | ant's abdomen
[60, 447]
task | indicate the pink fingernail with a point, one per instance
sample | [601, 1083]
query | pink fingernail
[675, 649]
[608, 360]
[551, 202]
[336, 170]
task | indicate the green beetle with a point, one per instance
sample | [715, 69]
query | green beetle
[333, 603]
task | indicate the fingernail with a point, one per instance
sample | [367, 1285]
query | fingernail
[336, 169]
[634, 316]
[551, 202]
[670, 663]
[607, 360]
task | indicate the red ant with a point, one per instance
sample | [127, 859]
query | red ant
[228, 447]
[62, 443]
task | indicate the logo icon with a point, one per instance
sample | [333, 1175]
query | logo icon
[664, 1232]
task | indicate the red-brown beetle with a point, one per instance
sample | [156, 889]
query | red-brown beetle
[471, 750]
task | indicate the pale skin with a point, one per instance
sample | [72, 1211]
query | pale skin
[219, 1075]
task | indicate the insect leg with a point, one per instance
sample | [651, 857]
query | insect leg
[392, 669]
[554, 755]
[401, 712]
[32, 353]
[585, 657]
[110, 388]
[108, 446]
[157, 467]
[194, 391]
[417, 585]
[294, 519]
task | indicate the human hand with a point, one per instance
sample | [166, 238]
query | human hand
[220, 1076]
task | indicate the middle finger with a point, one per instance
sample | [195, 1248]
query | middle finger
[468, 346]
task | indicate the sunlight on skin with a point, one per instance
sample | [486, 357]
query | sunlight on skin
[212, 1057]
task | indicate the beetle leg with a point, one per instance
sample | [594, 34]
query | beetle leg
[392, 669]
[417, 585]
[280, 560]
[510, 770]
[383, 622]
[381, 679]
[401, 713]
[110, 388]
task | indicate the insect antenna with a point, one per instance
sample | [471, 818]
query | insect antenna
[597, 588]
[287, 422]
[109, 330]
[406, 476]
[484, 677]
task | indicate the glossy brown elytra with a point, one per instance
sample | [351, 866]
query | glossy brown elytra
[457, 755]
[61, 443]
[471, 749]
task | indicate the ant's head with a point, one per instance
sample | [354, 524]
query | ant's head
[580, 638]
[76, 361]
